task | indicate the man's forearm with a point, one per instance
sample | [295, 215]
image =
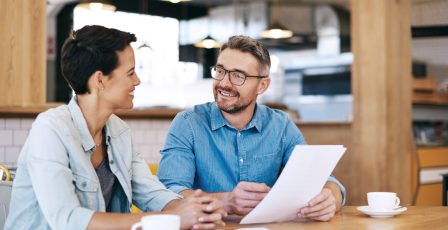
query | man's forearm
[336, 193]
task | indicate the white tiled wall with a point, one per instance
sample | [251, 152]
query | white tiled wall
[149, 137]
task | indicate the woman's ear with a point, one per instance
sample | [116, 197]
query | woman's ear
[263, 85]
[96, 82]
[99, 80]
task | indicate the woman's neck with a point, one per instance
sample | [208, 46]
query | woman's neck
[96, 115]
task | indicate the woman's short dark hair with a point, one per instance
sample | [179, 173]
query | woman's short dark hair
[247, 44]
[89, 49]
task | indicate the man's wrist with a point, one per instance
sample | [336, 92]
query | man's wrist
[337, 193]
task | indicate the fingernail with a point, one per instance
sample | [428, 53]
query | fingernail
[201, 219]
[209, 208]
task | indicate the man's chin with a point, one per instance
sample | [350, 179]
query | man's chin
[232, 109]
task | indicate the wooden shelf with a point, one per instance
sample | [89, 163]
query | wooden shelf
[430, 98]
[425, 92]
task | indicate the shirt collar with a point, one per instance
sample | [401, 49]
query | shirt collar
[218, 120]
[80, 123]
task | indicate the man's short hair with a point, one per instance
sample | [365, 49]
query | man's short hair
[247, 44]
[90, 49]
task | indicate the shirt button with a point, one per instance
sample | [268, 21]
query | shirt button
[111, 162]
[84, 184]
[241, 160]
[239, 134]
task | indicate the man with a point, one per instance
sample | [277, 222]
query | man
[234, 149]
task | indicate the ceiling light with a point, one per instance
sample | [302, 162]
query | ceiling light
[208, 43]
[96, 5]
[276, 30]
[176, 1]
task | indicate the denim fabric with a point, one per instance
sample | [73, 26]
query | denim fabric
[203, 150]
[56, 186]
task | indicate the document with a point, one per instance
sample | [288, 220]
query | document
[303, 177]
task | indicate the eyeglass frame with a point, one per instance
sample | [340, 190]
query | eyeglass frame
[229, 72]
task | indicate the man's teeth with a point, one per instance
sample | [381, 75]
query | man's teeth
[131, 93]
[227, 94]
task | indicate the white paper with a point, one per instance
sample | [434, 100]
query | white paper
[303, 177]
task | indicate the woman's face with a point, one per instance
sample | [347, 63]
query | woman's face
[119, 87]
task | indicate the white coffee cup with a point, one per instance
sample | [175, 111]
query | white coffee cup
[152, 222]
[383, 201]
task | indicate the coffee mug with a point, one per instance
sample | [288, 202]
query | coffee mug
[383, 201]
[151, 222]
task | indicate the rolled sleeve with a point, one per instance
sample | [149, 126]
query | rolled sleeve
[149, 194]
[341, 187]
[178, 188]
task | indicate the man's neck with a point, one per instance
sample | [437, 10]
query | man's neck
[241, 119]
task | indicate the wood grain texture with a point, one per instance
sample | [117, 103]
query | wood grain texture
[416, 217]
[22, 63]
[429, 157]
[429, 194]
[334, 134]
[381, 83]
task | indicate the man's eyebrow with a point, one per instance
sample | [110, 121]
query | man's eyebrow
[237, 70]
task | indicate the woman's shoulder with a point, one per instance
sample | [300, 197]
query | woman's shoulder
[54, 116]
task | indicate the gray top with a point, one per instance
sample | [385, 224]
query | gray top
[107, 181]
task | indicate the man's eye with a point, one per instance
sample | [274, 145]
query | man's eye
[220, 71]
[240, 76]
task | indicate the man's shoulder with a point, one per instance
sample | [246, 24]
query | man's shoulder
[200, 111]
[271, 114]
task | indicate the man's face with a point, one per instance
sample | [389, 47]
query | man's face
[232, 98]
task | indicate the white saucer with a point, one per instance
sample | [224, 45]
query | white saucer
[381, 214]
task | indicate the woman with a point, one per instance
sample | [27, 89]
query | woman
[78, 168]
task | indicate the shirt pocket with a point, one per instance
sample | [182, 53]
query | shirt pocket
[265, 168]
[87, 191]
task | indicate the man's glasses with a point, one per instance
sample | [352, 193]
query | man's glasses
[235, 77]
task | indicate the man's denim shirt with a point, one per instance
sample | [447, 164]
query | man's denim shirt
[56, 186]
[204, 151]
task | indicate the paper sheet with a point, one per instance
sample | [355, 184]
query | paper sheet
[303, 177]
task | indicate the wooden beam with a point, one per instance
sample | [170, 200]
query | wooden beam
[381, 81]
[22, 63]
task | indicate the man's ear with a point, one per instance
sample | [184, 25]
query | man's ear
[263, 85]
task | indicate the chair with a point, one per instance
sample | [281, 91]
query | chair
[5, 197]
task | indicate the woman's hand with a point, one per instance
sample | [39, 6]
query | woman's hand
[200, 211]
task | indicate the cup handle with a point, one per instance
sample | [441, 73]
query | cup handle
[136, 225]
[397, 202]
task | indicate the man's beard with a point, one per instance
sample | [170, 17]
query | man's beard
[237, 108]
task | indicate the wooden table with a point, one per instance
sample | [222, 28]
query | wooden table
[416, 217]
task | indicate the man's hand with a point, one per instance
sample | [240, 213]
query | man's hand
[244, 197]
[199, 211]
[324, 205]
